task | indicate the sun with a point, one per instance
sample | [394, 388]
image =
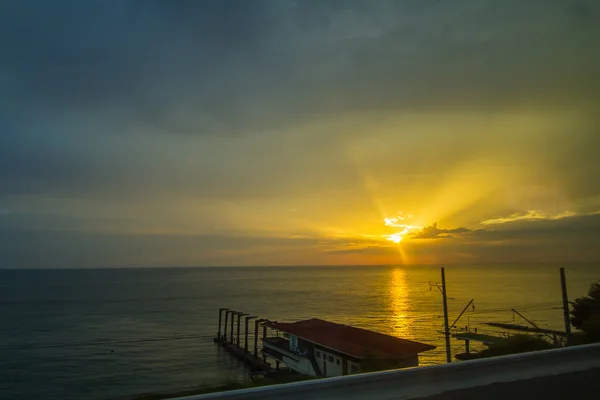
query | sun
[402, 228]
[396, 238]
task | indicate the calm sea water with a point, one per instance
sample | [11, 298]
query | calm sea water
[112, 334]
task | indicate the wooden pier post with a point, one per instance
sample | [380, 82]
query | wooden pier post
[246, 333]
[237, 337]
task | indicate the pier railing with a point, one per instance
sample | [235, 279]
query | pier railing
[426, 381]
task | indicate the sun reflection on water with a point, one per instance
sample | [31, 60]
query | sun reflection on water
[399, 304]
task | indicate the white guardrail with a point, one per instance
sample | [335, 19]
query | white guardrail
[411, 383]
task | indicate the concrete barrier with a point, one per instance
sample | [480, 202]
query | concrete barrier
[404, 384]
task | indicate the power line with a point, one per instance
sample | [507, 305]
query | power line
[501, 310]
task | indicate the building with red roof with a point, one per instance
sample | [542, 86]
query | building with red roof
[317, 347]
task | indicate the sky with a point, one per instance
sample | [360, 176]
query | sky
[213, 133]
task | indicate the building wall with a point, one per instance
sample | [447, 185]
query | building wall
[330, 364]
[289, 358]
[294, 342]
[372, 365]
[304, 347]
[333, 365]
[411, 361]
[353, 368]
[408, 361]
[300, 364]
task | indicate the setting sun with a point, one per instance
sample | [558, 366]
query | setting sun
[396, 238]
[395, 222]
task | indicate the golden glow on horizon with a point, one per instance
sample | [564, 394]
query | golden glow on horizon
[435, 186]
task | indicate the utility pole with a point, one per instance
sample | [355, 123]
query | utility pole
[447, 333]
[565, 300]
[442, 289]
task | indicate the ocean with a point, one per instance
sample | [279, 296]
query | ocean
[115, 333]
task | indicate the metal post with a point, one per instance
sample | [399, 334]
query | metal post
[237, 340]
[542, 331]
[565, 300]
[256, 323]
[220, 315]
[225, 327]
[237, 336]
[461, 314]
[246, 334]
[264, 337]
[446, 327]
[219, 328]
[232, 323]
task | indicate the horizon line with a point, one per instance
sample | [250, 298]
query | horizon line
[541, 264]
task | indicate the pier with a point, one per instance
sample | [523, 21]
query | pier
[312, 348]
[230, 338]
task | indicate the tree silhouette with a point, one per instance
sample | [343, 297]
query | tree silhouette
[585, 313]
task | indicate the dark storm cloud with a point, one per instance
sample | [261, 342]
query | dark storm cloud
[145, 62]
[86, 164]
[30, 164]
[203, 67]
[200, 67]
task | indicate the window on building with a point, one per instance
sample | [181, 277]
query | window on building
[331, 359]
[337, 361]
[318, 354]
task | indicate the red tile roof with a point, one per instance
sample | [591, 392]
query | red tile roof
[357, 342]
